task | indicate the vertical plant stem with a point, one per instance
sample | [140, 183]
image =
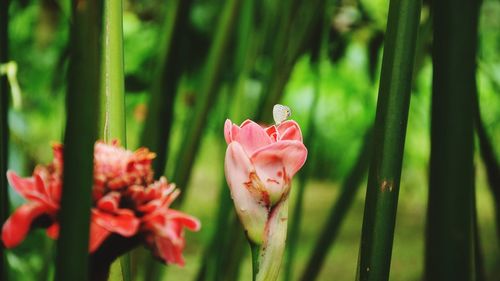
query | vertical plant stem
[206, 97]
[80, 135]
[156, 132]
[487, 152]
[478, 253]
[350, 186]
[4, 129]
[450, 238]
[112, 124]
[389, 136]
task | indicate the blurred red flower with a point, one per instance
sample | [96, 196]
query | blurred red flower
[126, 202]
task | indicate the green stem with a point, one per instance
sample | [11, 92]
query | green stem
[112, 125]
[487, 152]
[255, 259]
[350, 187]
[4, 129]
[206, 97]
[156, 132]
[450, 230]
[158, 124]
[389, 136]
[80, 136]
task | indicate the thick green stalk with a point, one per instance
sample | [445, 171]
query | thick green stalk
[80, 135]
[350, 187]
[206, 97]
[112, 125]
[450, 239]
[389, 136]
[478, 253]
[487, 152]
[158, 123]
[4, 129]
[293, 35]
[156, 131]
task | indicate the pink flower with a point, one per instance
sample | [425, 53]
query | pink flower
[163, 227]
[116, 168]
[260, 164]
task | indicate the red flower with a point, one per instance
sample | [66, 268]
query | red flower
[163, 227]
[43, 192]
[126, 202]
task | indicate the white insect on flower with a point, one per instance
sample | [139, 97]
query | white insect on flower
[281, 113]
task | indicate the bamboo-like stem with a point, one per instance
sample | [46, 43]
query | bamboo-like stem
[331, 228]
[113, 124]
[80, 135]
[206, 97]
[478, 252]
[491, 164]
[450, 230]
[4, 130]
[286, 52]
[389, 136]
[156, 132]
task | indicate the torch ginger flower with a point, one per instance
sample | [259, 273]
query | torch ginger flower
[127, 203]
[259, 166]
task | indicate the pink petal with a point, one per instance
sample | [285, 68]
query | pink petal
[97, 236]
[289, 130]
[18, 225]
[252, 137]
[246, 122]
[230, 131]
[124, 222]
[252, 213]
[288, 154]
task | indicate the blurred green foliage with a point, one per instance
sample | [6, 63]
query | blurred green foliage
[38, 43]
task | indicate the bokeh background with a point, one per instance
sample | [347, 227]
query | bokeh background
[322, 60]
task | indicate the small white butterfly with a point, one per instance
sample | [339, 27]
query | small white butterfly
[281, 113]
